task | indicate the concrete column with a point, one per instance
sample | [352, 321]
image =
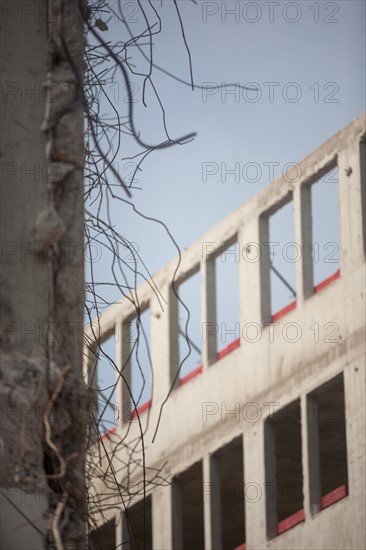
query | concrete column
[164, 342]
[41, 215]
[303, 238]
[270, 480]
[162, 518]
[249, 273]
[311, 466]
[362, 192]
[123, 532]
[304, 455]
[355, 409]
[209, 348]
[254, 479]
[265, 269]
[25, 283]
[173, 330]
[123, 349]
[120, 530]
[215, 504]
[352, 225]
[212, 503]
[90, 366]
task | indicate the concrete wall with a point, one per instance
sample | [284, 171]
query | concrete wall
[268, 373]
[42, 284]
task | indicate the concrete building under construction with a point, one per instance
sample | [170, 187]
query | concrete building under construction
[259, 443]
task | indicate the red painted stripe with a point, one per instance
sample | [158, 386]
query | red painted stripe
[190, 375]
[327, 281]
[108, 433]
[241, 547]
[284, 311]
[228, 349]
[291, 521]
[334, 496]
[144, 407]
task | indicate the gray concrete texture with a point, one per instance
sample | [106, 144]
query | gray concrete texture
[42, 462]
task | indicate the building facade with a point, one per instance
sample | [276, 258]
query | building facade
[262, 444]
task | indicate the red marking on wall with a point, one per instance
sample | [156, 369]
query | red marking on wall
[291, 521]
[334, 496]
[283, 311]
[227, 350]
[108, 433]
[241, 547]
[190, 375]
[144, 407]
[327, 281]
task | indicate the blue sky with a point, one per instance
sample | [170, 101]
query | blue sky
[319, 63]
